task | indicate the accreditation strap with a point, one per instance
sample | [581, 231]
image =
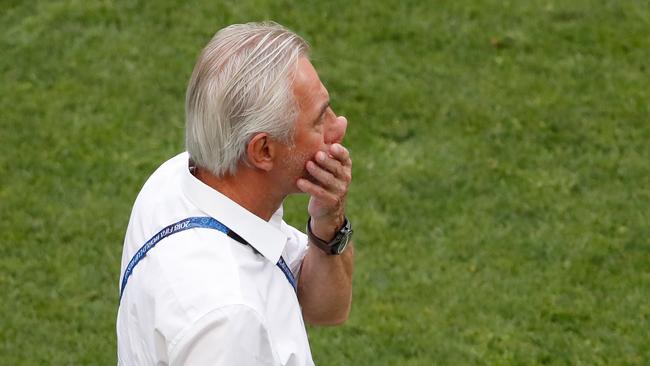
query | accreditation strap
[192, 223]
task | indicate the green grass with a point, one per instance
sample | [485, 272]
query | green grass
[501, 194]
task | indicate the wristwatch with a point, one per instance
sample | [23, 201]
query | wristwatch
[338, 244]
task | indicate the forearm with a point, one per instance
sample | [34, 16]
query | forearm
[325, 286]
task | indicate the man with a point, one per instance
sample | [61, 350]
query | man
[211, 274]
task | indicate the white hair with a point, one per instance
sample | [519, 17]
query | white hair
[241, 85]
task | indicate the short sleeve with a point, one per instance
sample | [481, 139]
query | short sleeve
[296, 248]
[232, 335]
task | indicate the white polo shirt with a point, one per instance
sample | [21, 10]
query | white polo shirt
[199, 297]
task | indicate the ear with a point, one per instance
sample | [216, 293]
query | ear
[260, 151]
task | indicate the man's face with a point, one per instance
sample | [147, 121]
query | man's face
[316, 127]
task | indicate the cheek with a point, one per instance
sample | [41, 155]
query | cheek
[317, 142]
[296, 159]
[308, 144]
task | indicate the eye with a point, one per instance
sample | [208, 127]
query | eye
[320, 119]
[327, 112]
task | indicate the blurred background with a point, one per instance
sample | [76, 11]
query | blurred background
[501, 192]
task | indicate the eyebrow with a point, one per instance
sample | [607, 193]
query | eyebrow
[322, 110]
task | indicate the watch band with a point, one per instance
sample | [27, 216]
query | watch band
[335, 246]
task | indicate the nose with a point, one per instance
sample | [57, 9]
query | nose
[335, 131]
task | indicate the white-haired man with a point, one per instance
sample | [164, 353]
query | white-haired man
[211, 274]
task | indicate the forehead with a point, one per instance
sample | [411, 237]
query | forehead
[309, 91]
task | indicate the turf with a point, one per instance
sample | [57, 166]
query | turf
[501, 186]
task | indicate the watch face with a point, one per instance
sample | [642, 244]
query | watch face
[343, 243]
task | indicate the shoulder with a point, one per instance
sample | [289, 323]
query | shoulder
[163, 182]
[293, 233]
[296, 248]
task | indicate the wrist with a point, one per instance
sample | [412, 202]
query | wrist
[326, 228]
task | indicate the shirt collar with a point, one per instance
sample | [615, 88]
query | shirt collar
[266, 237]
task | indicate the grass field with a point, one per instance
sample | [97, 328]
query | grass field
[501, 194]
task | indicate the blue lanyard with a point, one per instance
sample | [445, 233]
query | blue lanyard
[191, 223]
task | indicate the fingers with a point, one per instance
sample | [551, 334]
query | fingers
[326, 179]
[337, 168]
[340, 153]
[331, 174]
[316, 191]
[335, 160]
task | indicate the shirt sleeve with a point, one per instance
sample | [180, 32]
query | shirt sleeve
[232, 335]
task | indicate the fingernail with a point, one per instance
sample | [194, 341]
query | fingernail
[300, 183]
[320, 156]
